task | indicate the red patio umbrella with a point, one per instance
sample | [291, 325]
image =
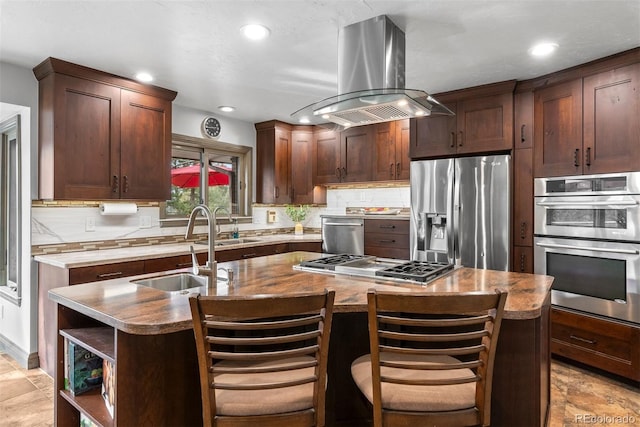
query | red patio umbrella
[189, 177]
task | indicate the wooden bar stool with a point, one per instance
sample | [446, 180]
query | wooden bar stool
[263, 359]
[431, 360]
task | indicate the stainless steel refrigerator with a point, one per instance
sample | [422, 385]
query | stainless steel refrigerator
[460, 211]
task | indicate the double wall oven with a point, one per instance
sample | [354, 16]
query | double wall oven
[587, 235]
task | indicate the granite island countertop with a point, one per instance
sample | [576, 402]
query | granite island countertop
[138, 309]
[137, 253]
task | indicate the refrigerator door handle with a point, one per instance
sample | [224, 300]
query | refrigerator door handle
[452, 190]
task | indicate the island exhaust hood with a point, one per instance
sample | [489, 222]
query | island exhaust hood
[371, 80]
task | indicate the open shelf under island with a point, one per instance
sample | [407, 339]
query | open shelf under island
[154, 354]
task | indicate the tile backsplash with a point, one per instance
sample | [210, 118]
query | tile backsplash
[61, 224]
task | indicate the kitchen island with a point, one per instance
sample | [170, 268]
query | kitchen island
[147, 334]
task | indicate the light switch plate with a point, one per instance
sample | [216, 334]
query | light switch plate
[271, 217]
[90, 224]
[145, 221]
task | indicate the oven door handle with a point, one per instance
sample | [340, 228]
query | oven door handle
[603, 203]
[344, 224]
[589, 248]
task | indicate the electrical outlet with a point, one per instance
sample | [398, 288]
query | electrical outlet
[145, 221]
[90, 224]
[271, 217]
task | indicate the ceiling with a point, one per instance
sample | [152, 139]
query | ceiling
[195, 47]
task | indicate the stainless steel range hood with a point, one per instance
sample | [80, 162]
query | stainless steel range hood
[371, 80]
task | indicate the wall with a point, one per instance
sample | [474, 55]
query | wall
[18, 325]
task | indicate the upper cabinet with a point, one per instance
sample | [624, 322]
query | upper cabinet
[391, 154]
[273, 151]
[101, 136]
[589, 125]
[483, 123]
[344, 156]
[301, 161]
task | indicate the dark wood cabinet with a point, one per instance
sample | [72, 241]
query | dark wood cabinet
[101, 136]
[523, 120]
[611, 124]
[523, 197]
[589, 125]
[391, 155]
[558, 129]
[602, 343]
[483, 124]
[326, 164]
[301, 160]
[387, 238]
[273, 154]
[356, 154]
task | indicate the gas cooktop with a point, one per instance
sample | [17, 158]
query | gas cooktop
[384, 268]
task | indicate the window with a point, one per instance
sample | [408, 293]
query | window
[10, 203]
[226, 172]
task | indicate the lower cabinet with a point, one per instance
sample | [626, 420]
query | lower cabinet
[387, 238]
[602, 343]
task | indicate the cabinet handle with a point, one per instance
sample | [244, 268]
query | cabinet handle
[522, 258]
[391, 170]
[105, 275]
[184, 264]
[388, 226]
[522, 138]
[276, 192]
[338, 173]
[386, 241]
[576, 156]
[344, 173]
[523, 226]
[453, 140]
[588, 157]
[584, 340]
[114, 187]
[461, 141]
[398, 170]
[251, 255]
[125, 184]
[293, 192]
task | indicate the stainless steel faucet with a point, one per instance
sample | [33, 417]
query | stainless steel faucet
[210, 269]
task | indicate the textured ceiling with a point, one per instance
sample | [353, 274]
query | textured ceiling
[195, 47]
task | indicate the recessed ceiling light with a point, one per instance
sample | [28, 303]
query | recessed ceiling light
[144, 77]
[304, 120]
[543, 49]
[226, 108]
[255, 31]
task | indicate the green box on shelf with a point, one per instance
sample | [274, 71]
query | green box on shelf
[85, 369]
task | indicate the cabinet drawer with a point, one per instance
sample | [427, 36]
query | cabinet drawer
[383, 252]
[387, 240]
[105, 272]
[172, 263]
[386, 226]
[611, 346]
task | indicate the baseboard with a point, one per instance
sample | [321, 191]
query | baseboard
[24, 359]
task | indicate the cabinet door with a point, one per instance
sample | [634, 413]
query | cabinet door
[356, 154]
[558, 130]
[384, 163]
[523, 120]
[433, 136]
[327, 159]
[84, 153]
[282, 163]
[301, 159]
[523, 197]
[612, 121]
[146, 147]
[403, 137]
[485, 124]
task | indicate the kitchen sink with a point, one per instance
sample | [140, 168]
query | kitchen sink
[180, 283]
[227, 242]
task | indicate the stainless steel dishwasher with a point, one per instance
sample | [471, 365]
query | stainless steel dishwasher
[342, 235]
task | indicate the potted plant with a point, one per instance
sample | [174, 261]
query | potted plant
[297, 215]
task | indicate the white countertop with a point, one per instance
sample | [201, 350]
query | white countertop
[136, 253]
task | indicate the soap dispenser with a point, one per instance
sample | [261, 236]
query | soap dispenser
[234, 231]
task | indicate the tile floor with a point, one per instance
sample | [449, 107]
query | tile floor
[578, 397]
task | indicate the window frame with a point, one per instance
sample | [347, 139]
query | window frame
[244, 154]
[10, 129]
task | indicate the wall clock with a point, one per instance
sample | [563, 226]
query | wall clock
[211, 127]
